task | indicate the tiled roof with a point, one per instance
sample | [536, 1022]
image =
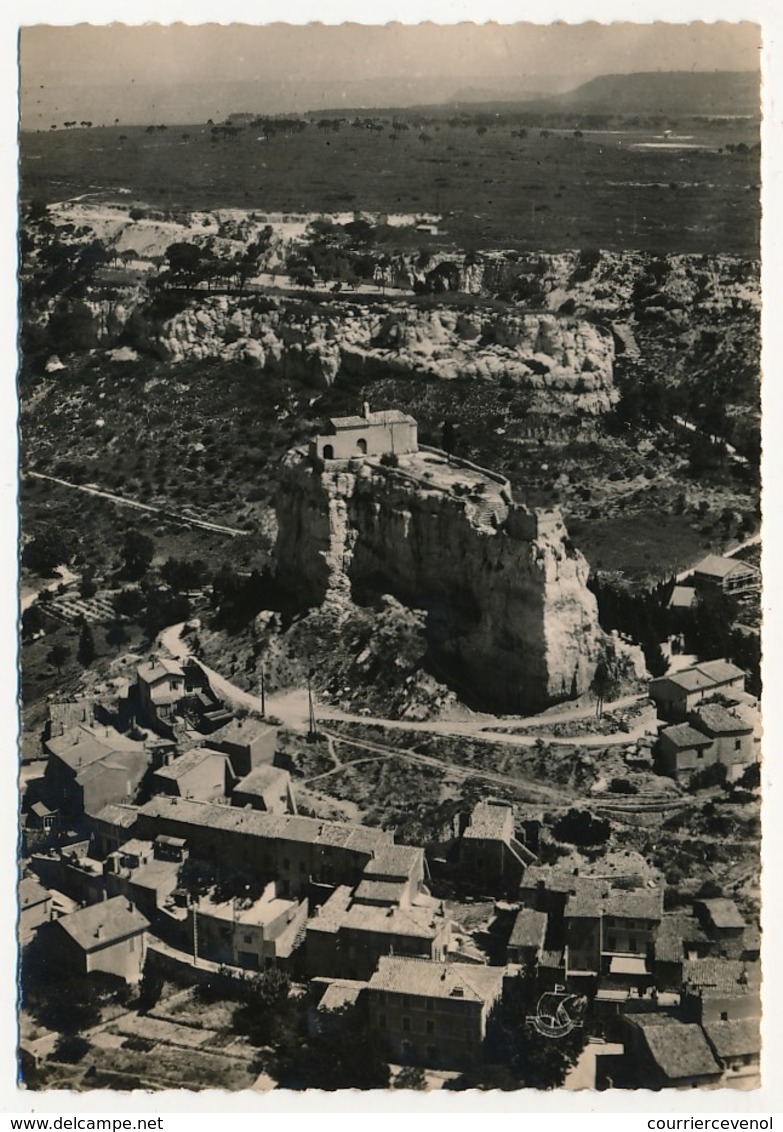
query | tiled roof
[595, 898]
[720, 670]
[382, 417]
[187, 762]
[719, 720]
[675, 930]
[679, 1049]
[682, 597]
[157, 668]
[117, 814]
[708, 674]
[717, 567]
[734, 1038]
[340, 993]
[635, 904]
[715, 977]
[683, 736]
[454, 981]
[243, 730]
[394, 861]
[723, 913]
[329, 916]
[529, 929]
[258, 823]
[100, 924]
[490, 822]
[31, 892]
[416, 923]
[380, 891]
[263, 778]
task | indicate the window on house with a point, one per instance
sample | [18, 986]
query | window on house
[406, 1000]
[430, 1004]
[724, 1015]
[700, 754]
[737, 744]
[631, 923]
[632, 944]
[381, 1021]
[247, 938]
[406, 1025]
[430, 1026]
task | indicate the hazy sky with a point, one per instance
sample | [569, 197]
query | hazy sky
[86, 54]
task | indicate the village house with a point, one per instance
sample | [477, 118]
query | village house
[346, 938]
[433, 1014]
[246, 932]
[266, 788]
[734, 739]
[714, 734]
[249, 741]
[679, 937]
[296, 850]
[737, 1048]
[371, 434]
[90, 766]
[721, 990]
[489, 852]
[145, 872]
[728, 575]
[160, 682]
[665, 1053]
[35, 908]
[201, 773]
[112, 826]
[389, 912]
[683, 750]
[526, 942]
[72, 871]
[610, 933]
[677, 694]
[109, 936]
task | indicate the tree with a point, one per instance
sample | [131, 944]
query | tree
[88, 587]
[137, 551]
[355, 1058]
[86, 651]
[516, 1055]
[57, 656]
[449, 440]
[580, 827]
[44, 553]
[32, 622]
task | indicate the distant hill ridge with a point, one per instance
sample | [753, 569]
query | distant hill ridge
[695, 92]
[643, 93]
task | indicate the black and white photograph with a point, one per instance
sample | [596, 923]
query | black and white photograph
[389, 585]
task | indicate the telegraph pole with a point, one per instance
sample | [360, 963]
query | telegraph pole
[312, 733]
[263, 692]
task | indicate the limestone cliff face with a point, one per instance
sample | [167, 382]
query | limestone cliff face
[511, 623]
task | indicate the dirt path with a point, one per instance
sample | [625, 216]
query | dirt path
[65, 576]
[292, 709]
[122, 501]
[537, 792]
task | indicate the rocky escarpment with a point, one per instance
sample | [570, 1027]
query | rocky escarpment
[510, 621]
[567, 358]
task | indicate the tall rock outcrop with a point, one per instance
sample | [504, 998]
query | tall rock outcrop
[510, 621]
